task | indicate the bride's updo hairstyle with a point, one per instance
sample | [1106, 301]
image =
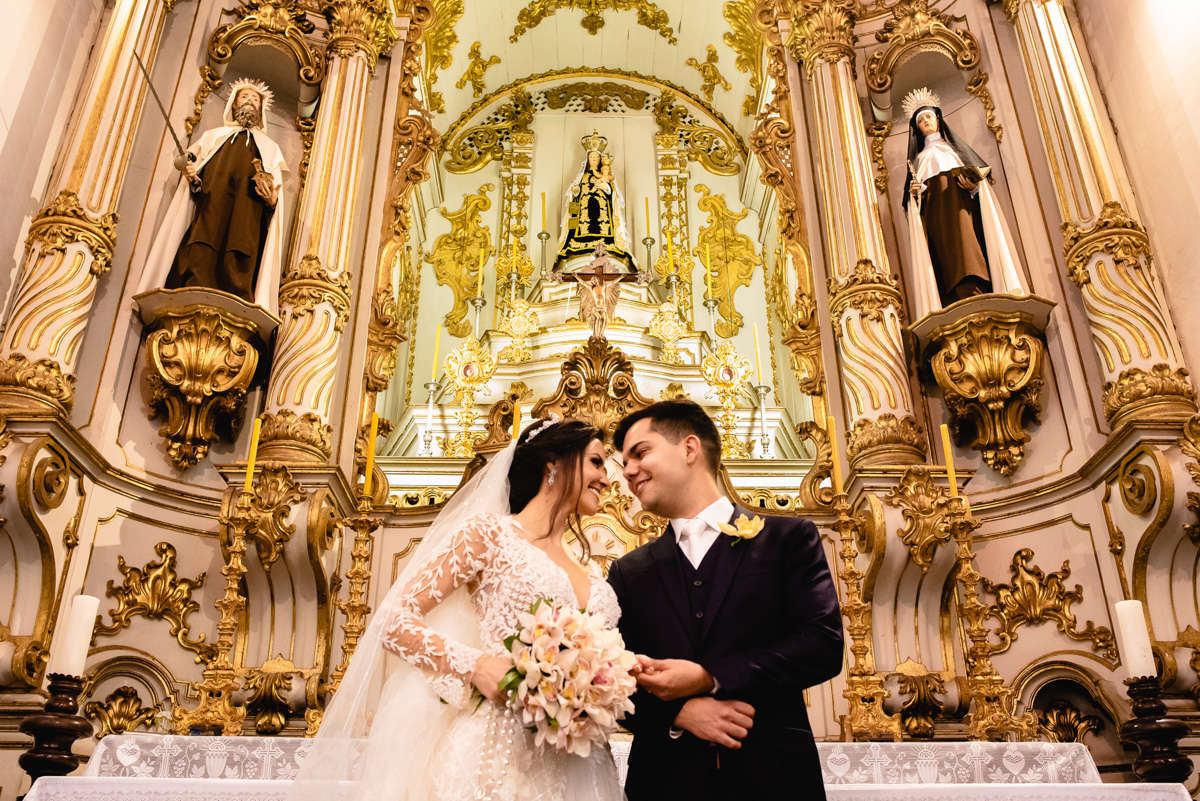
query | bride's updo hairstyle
[541, 443]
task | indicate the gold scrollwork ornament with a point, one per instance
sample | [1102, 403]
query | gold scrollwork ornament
[726, 371]
[923, 505]
[200, 362]
[519, 323]
[468, 367]
[989, 368]
[155, 591]
[121, 711]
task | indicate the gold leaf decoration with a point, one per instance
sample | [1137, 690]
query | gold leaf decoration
[120, 711]
[157, 592]
[1062, 722]
[710, 73]
[744, 37]
[456, 256]
[440, 38]
[734, 257]
[648, 15]
[923, 505]
[1035, 597]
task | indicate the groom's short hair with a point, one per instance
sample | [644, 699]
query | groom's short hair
[676, 419]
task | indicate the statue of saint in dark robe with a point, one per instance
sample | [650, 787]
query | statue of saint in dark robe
[225, 216]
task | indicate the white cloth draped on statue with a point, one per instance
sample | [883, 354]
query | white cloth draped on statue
[938, 157]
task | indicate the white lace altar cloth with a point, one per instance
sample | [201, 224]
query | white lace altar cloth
[152, 767]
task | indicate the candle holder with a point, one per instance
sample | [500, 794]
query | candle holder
[711, 304]
[358, 579]
[477, 303]
[1155, 735]
[648, 241]
[867, 719]
[992, 713]
[216, 710]
[427, 437]
[766, 449]
[543, 237]
[54, 729]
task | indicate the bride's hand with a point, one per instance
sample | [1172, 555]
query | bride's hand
[489, 670]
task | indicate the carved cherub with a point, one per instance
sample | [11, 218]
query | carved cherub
[710, 74]
[475, 69]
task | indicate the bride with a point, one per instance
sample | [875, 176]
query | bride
[405, 723]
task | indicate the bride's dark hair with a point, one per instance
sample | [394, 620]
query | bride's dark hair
[565, 441]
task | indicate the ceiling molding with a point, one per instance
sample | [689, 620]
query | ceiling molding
[551, 76]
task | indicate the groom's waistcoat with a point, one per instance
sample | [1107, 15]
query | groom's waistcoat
[698, 582]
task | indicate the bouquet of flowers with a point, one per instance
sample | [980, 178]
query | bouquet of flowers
[571, 677]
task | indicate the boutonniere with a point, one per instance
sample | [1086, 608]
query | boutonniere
[744, 528]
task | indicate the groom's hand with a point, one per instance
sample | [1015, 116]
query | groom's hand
[669, 679]
[722, 722]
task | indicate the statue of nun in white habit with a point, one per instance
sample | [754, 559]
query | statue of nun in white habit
[959, 243]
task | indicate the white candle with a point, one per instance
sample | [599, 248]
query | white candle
[1133, 640]
[71, 642]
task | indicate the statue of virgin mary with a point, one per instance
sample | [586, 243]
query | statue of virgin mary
[595, 209]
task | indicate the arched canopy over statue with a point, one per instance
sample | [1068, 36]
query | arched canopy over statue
[595, 209]
[960, 245]
[223, 229]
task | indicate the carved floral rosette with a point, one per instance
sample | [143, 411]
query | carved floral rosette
[202, 351]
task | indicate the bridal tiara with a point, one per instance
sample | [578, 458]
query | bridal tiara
[542, 426]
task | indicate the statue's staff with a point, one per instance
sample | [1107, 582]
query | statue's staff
[163, 110]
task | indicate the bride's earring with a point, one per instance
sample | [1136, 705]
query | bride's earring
[552, 476]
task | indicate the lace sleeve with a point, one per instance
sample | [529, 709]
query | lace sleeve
[450, 663]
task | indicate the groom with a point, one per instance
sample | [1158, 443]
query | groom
[734, 630]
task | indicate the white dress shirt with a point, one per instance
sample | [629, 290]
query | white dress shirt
[696, 535]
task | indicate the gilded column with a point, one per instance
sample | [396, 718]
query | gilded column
[1106, 247]
[864, 298]
[314, 292]
[70, 242]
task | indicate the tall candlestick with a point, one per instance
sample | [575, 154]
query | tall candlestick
[647, 216]
[516, 432]
[1133, 640]
[253, 453]
[543, 211]
[831, 432]
[71, 643]
[951, 476]
[371, 436]
[437, 344]
[757, 358]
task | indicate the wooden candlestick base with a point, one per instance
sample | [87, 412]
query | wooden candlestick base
[55, 729]
[1155, 734]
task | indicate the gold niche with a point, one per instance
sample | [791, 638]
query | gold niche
[200, 361]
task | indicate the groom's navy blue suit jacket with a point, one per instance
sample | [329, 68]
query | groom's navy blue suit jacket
[771, 628]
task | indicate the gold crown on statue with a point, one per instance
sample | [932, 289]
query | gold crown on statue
[594, 141]
[264, 93]
[919, 98]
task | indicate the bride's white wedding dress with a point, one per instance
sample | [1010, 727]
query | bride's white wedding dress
[487, 753]
[402, 725]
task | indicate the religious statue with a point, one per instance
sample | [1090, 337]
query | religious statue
[710, 73]
[598, 291]
[595, 209]
[956, 230]
[223, 229]
[476, 67]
